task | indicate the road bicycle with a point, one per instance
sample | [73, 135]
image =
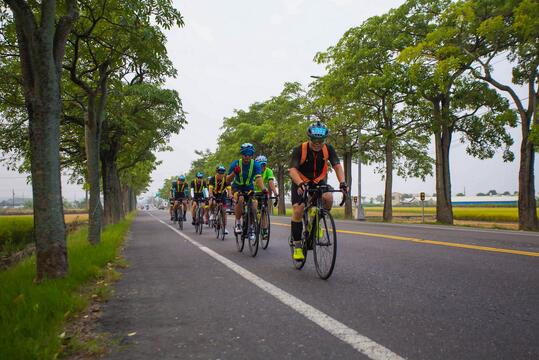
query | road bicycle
[199, 215]
[263, 217]
[178, 214]
[319, 233]
[249, 225]
[217, 218]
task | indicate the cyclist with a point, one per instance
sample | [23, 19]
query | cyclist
[178, 195]
[269, 181]
[245, 172]
[198, 192]
[217, 188]
[308, 166]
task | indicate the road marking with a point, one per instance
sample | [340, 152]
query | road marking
[361, 343]
[433, 242]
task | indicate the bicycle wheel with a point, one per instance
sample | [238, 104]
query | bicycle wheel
[222, 226]
[325, 245]
[253, 232]
[200, 219]
[265, 217]
[179, 213]
[240, 241]
[196, 221]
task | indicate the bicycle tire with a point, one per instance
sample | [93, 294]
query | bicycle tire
[325, 249]
[179, 213]
[264, 242]
[222, 224]
[240, 238]
[253, 229]
[200, 216]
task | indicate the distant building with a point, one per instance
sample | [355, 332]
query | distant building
[485, 200]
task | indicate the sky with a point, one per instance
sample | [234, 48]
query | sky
[231, 54]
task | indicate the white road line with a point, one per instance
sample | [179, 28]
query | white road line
[361, 343]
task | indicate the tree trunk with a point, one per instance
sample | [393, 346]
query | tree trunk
[281, 207]
[92, 134]
[112, 195]
[41, 51]
[444, 208]
[347, 159]
[388, 197]
[527, 207]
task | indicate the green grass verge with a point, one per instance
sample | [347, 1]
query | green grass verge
[32, 315]
[15, 232]
[494, 214]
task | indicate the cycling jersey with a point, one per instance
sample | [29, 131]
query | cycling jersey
[179, 190]
[245, 179]
[198, 187]
[267, 175]
[218, 186]
[314, 161]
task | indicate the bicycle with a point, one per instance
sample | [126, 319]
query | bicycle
[319, 233]
[218, 221]
[199, 215]
[178, 214]
[264, 214]
[249, 225]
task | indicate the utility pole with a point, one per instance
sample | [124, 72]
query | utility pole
[13, 197]
[360, 213]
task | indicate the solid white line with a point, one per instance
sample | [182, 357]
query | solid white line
[361, 343]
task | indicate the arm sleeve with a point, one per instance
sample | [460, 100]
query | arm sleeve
[296, 157]
[232, 166]
[333, 157]
[270, 174]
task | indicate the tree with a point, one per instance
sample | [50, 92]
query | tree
[113, 40]
[492, 192]
[509, 28]
[41, 42]
[456, 99]
[367, 78]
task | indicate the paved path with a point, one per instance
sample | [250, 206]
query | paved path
[398, 291]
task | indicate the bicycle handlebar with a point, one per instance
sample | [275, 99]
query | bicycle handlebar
[325, 188]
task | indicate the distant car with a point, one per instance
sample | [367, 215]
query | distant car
[161, 207]
[147, 207]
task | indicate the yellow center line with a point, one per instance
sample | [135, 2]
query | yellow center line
[434, 242]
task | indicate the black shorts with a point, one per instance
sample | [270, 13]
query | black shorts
[296, 198]
[179, 198]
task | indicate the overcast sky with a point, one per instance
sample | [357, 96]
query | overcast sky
[233, 53]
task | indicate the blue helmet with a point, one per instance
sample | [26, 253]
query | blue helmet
[318, 130]
[247, 149]
[220, 169]
[181, 178]
[262, 159]
[200, 175]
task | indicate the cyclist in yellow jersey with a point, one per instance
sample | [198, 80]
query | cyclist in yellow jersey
[217, 188]
[198, 188]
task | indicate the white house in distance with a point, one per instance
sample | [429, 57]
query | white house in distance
[488, 200]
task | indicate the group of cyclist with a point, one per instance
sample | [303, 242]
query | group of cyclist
[308, 167]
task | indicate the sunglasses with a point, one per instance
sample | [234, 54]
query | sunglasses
[318, 141]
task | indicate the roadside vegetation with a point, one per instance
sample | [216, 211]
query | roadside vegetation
[424, 74]
[83, 93]
[16, 231]
[33, 314]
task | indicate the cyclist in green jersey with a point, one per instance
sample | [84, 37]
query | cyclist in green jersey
[269, 182]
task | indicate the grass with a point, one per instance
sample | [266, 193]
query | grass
[491, 214]
[32, 315]
[17, 230]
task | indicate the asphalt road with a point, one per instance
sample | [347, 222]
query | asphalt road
[398, 291]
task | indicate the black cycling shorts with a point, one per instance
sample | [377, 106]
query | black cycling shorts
[296, 198]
